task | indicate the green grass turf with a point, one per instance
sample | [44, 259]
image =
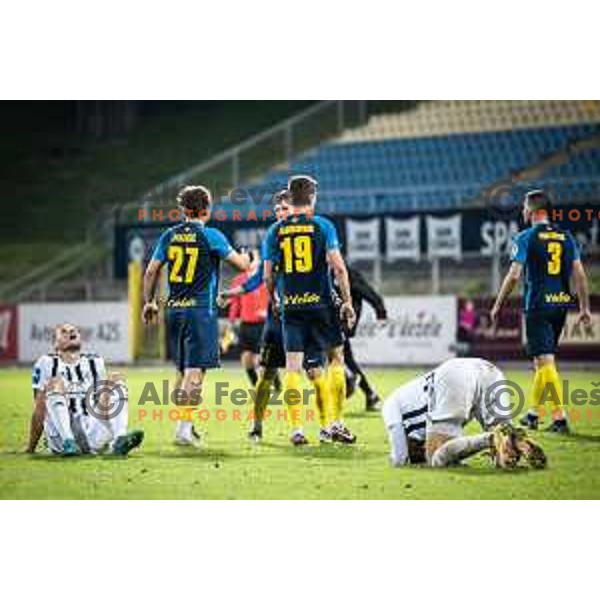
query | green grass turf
[230, 467]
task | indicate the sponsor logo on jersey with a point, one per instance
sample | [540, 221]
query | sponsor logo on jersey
[306, 298]
[182, 303]
[559, 299]
[552, 235]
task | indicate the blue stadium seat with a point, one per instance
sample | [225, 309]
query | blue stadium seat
[439, 172]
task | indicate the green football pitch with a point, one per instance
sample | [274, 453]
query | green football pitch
[228, 466]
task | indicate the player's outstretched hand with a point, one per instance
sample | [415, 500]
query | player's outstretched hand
[149, 312]
[347, 314]
[584, 317]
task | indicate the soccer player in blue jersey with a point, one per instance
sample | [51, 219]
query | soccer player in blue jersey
[301, 253]
[547, 256]
[192, 252]
[272, 356]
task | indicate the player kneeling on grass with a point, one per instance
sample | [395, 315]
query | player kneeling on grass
[76, 407]
[425, 418]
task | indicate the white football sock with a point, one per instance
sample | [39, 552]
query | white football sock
[121, 420]
[58, 409]
[399, 455]
[184, 429]
[453, 451]
[99, 435]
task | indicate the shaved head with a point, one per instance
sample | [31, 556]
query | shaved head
[66, 337]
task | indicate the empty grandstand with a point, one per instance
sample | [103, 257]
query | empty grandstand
[442, 155]
[396, 159]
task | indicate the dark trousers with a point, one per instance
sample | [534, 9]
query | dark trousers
[354, 367]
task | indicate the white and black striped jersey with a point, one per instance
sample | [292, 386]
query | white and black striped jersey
[79, 377]
[409, 405]
[455, 391]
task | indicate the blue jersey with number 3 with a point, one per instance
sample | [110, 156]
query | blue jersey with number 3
[547, 253]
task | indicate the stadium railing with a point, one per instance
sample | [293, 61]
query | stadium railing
[276, 146]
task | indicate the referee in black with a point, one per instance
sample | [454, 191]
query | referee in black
[361, 291]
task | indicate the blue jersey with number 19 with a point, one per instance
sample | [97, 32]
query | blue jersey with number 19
[547, 253]
[193, 253]
[297, 248]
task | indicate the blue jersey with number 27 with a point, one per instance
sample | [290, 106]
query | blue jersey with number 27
[192, 253]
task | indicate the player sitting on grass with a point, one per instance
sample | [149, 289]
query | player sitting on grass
[74, 401]
[425, 418]
[547, 256]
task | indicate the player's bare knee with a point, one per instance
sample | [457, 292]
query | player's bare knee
[248, 361]
[543, 360]
[335, 356]
[314, 373]
[294, 362]
[192, 387]
[193, 375]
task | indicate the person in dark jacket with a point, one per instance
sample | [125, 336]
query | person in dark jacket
[361, 290]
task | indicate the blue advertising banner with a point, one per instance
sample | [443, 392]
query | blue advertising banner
[480, 230]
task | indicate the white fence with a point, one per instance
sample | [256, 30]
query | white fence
[104, 328]
[419, 330]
